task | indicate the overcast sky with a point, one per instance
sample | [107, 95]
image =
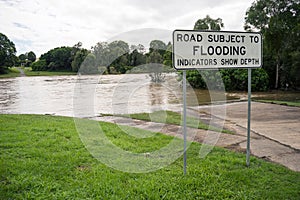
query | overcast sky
[40, 25]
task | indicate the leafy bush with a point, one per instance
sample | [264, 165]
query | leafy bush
[39, 65]
[58, 59]
[233, 79]
[195, 79]
[260, 80]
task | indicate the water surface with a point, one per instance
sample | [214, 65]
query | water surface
[92, 95]
[104, 94]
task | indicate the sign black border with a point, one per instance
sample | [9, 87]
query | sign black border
[211, 68]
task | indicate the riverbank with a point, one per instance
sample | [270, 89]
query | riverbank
[43, 157]
[21, 71]
[12, 72]
[49, 73]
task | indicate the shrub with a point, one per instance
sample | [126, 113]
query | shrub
[39, 65]
[233, 79]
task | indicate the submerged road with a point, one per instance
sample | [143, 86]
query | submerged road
[275, 130]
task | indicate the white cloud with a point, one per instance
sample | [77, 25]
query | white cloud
[39, 25]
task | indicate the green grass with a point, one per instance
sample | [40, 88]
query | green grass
[12, 72]
[29, 72]
[170, 117]
[286, 103]
[42, 157]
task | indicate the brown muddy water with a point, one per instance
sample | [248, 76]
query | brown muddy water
[92, 95]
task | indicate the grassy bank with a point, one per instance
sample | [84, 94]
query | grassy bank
[29, 72]
[42, 157]
[12, 72]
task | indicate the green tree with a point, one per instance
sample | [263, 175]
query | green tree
[101, 51]
[295, 69]
[208, 23]
[168, 55]
[136, 58]
[120, 64]
[76, 48]
[22, 59]
[31, 56]
[140, 48]
[78, 59]
[88, 66]
[58, 59]
[40, 65]
[118, 55]
[233, 79]
[279, 23]
[158, 46]
[110, 55]
[236, 79]
[194, 78]
[7, 53]
[26, 59]
[155, 57]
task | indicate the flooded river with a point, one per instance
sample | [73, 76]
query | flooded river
[90, 95]
[110, 94]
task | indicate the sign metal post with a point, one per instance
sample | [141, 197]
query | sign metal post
[184, 121]
[249, 118]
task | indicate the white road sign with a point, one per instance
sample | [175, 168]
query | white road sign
[216, 49]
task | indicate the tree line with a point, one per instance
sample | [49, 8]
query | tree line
[8, 56]
[116, 57]
[278, 21]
